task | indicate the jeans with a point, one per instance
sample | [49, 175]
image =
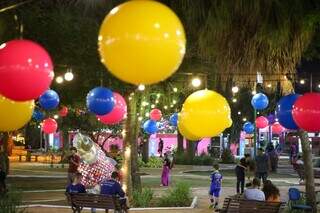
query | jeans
[262, 175]
[240, 183]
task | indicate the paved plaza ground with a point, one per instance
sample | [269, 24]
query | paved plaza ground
[44, 185]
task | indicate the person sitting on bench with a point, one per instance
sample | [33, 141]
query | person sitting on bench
[113, 187]
[76, 186]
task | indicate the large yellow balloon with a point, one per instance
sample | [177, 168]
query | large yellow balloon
[142, 42]
[14, 115]
[205, 113]
[185, 133]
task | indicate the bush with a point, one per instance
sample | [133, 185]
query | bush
[203, 159]
[154, 162]
[179, 196]
[142, 199]
[227, 156]
[10, 201]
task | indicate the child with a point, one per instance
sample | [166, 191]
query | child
[215, 187]
[240, 173]
[76, 186]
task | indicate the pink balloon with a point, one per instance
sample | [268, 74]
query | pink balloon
[277, 128]
[118, 113]
[26, 70]
[155, 114]
[63, 111]
[262, 122]
[49, 126]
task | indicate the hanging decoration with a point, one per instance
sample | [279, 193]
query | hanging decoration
[63, 112]
[259, 101]
[14, 115]
[155, 114]
[277, 128]
[26, 70]
[37, 115]
[248, 127]
[100, 101]
[118, 112]
[284, 111]
[205, 113]
[262, 122]
[142, 42]
[150, 127]
[174, 119]
[49, 126]
[49, 100]
[306, 112]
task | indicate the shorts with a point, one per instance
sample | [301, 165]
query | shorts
[215, 192]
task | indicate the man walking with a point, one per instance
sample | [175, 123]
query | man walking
[262, 165]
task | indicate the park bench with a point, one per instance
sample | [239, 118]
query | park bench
[301, 173]
[80, 200]
[240, 205]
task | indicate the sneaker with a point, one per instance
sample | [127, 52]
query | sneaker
[211, 206]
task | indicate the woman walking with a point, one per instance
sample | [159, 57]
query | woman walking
[165, 170]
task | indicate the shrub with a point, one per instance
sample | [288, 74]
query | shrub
[203, 159]
[154, 162]
[10, 201]
[179, 196]
[143, 198]
[227, 156]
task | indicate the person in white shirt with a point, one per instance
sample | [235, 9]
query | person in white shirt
[299, 161]
[254, 193]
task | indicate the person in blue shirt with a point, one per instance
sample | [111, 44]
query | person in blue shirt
[215, 187]
[112, 187]
[76, 186]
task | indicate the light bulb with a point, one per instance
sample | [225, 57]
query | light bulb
[235, 89]
[68, 76]
[196, 82]
[141, 87]
[59, 79]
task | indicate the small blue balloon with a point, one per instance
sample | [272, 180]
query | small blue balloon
[271, 118]
[259, 101]
[37, 115]
[100, 101]
[150, 127]
[284, 109]
[174, 119]
[49, 100]
[248, 127]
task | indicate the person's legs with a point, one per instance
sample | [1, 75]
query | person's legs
[242, 185]
[238, 185]
[70, 178]
[264, 176]
[216, 194]
[211, 198]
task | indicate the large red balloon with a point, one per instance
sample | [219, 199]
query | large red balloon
[155, 114]
[63, 111]
[26, 70]
[49, 126]
[306, 112]
[262, 122]
[118, 112]
[277, 128]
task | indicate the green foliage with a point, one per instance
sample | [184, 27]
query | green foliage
[154, 162]
[143, 198]
[227, 156]
[10, 201]
[181, 159]
[179, 196]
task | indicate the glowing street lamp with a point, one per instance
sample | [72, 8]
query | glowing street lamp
[59, 79]
[68, 76]
[196, 82]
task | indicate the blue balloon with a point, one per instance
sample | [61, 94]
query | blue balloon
[150, 127]
[259, 101]
[284, 109]
[49, 100]
[37, 115]
[174, 119]
[100, 101]
[248, 127]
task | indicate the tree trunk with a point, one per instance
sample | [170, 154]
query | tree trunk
[190, 151]
[4, 159]
[308, 170]
[180, 143]
[130, 167]
[145, 151]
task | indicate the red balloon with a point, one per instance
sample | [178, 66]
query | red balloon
[262, 122]
[26, 70]
[118, 112]
[49, 126]
[63, 111]
[306, 112]
[155, 114]
[277, 128]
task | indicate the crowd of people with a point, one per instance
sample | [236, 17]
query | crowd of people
[247, 167]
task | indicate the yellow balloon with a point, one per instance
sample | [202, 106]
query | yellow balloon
[14, 115]
[142, 42]
[186, 134]
[205, 113]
